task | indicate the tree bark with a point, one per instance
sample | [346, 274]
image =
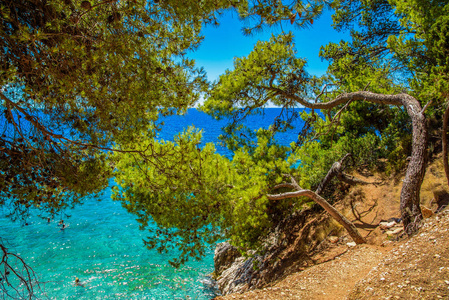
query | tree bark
[444, 138]
[334, 171]
[410, 199]
[353, 232]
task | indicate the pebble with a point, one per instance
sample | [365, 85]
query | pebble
[386, 225]
[395, 231]
[333, 239]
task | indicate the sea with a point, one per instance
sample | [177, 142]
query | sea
[102, 244]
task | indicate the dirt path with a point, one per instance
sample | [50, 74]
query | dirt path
[333, 279]
[416, 268]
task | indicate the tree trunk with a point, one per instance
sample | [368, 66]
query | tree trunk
[444, 137]
[353, 232]
[410, 200]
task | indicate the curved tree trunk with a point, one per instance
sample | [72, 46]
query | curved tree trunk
[444, 136]
[410, 200]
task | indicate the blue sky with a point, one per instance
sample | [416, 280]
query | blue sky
[221, 44]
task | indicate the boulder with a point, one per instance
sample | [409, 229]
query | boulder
[225, 255]
[237, 278]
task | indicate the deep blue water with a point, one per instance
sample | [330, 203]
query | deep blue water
[103, 247]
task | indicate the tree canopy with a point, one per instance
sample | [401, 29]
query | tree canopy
[380, 88]
[84, 82]
[81, 77]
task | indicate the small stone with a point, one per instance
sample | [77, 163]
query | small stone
[447, 281]
[333, 239]
[386, 225]
[437, 256]
[382, 279]
[426, 213]
[351, 244]
[407, 282]
[395, 231]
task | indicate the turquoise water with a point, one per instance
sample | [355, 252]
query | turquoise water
[103, 246]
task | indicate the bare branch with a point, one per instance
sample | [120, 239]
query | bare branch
[333, 171]
[283, 185]
[425, 106]
[18, 279]
[294, 182]
[47, 133]
[322, 91]
[329, 208]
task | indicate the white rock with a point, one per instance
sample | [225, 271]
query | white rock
[386, 225]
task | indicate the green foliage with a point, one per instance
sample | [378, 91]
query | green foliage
[429, 20]
[178, 186]
[190, 197]
[270, 64]
[80, 77]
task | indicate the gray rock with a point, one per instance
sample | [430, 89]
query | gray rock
[225, 255]
[240, 277]
[234, 273]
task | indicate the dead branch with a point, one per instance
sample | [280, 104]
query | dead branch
[17, 278]
[352, 230]
[333, 171]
